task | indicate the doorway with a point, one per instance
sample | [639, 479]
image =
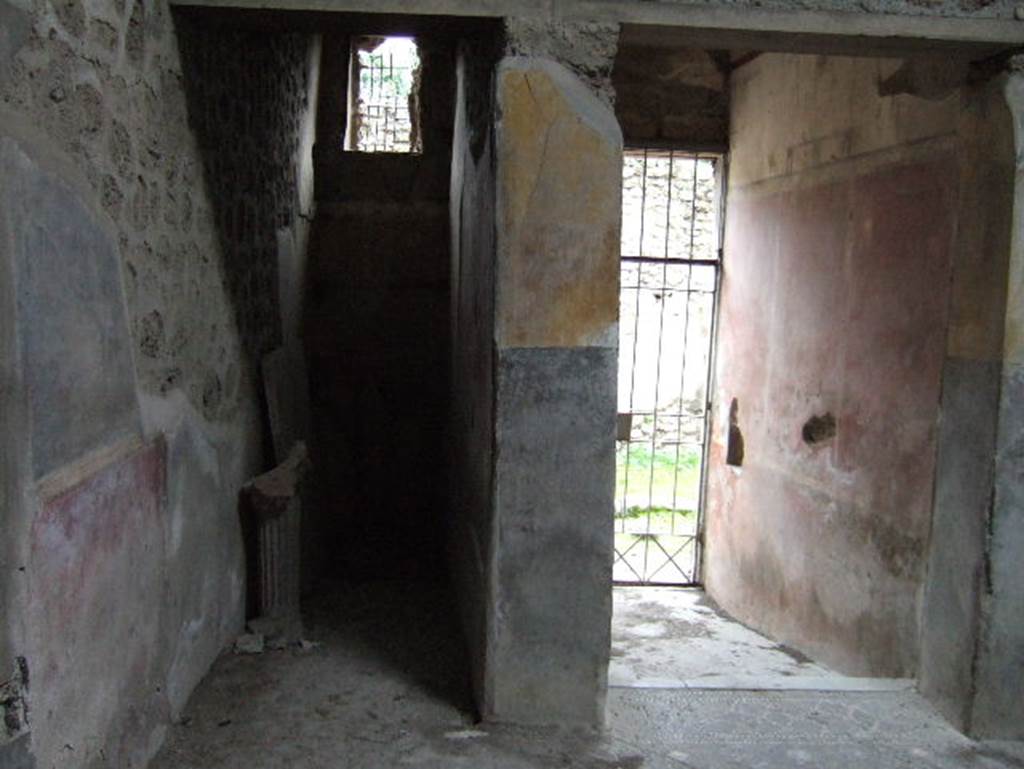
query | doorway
[669, 275]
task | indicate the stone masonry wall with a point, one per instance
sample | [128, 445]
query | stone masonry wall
[248, 94]
[178, 149]
[558, 175]
[986, 9]
[108, 86]
[675, 95]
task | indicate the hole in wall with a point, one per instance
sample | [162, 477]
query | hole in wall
[734, 450]
[818, 429]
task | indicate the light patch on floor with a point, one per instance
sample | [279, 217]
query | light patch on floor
[672, 638]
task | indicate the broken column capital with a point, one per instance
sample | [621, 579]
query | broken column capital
[270, 494]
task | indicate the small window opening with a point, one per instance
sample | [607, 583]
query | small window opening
[384, 96]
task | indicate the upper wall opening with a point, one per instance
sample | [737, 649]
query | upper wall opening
[384, 104]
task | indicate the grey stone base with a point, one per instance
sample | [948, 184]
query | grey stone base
[999, 706]
[956, 558]
[555, 475]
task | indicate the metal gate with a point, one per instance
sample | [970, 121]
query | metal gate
[671, 260]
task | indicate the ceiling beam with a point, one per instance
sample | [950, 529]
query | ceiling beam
[668, 22]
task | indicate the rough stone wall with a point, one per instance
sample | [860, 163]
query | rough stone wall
[985, 9]
[248, 94]
[144, 275]
[587, 49]
[667, 95]
[840, 240]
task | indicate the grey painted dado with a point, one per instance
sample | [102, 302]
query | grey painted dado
[555, 477]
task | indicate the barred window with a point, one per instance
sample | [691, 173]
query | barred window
[384, 95]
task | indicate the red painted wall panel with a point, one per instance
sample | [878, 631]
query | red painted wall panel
[96, 585]
[835, 300]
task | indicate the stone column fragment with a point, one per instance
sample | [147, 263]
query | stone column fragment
[274, 502]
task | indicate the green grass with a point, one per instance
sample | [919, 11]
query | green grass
[657, 498]
[636, 511]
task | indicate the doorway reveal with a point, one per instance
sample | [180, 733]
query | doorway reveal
[669, 279]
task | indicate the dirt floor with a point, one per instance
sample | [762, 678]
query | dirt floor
[385, 687]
